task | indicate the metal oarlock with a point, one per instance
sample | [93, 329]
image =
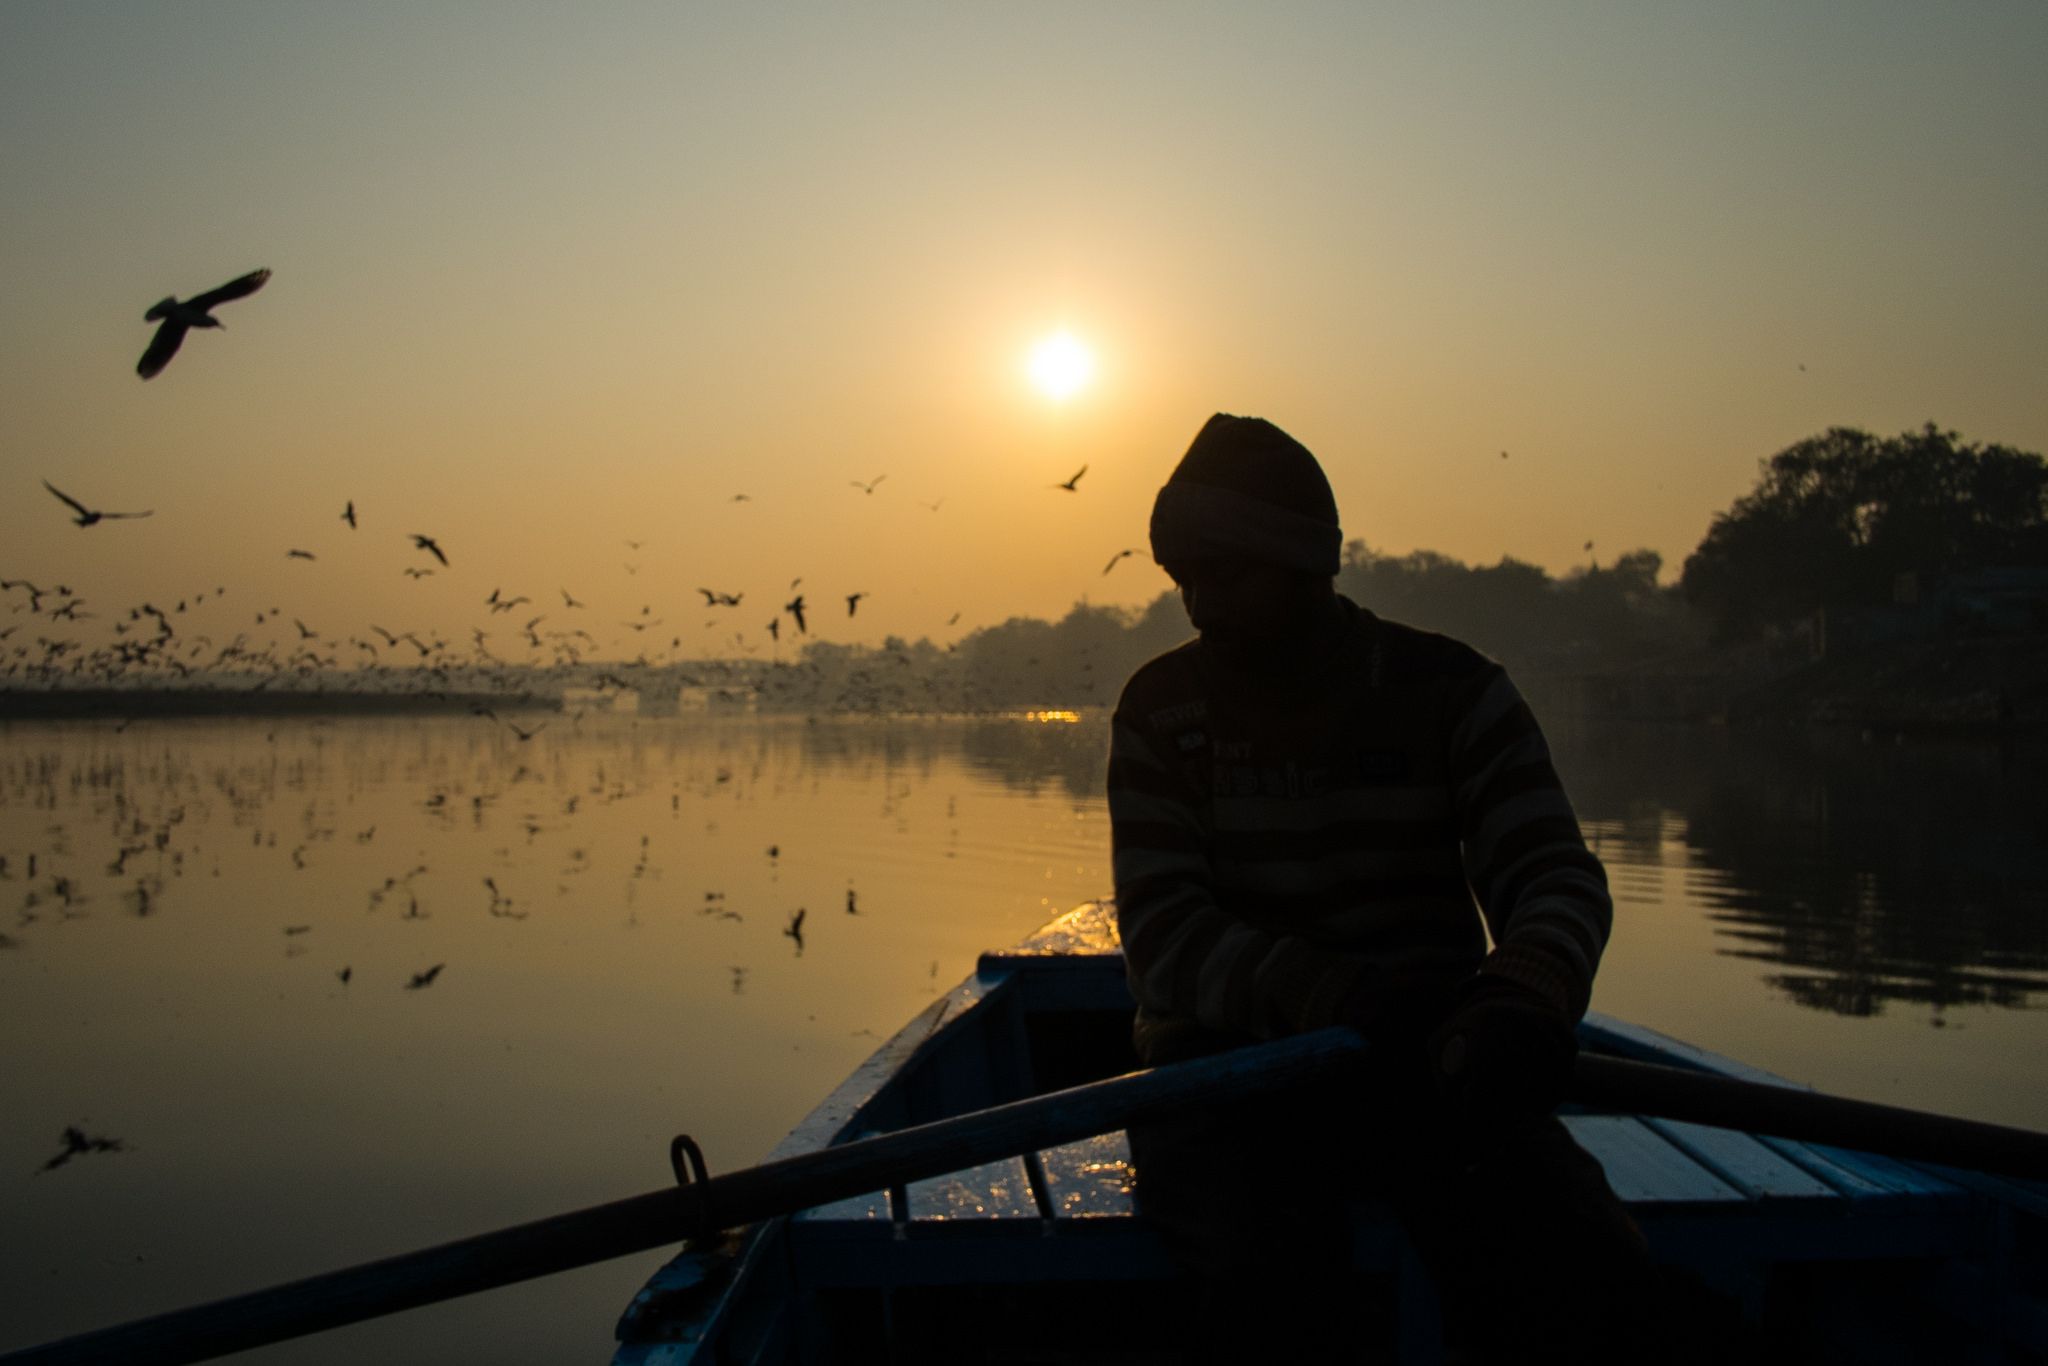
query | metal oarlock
[686, 1159]
[682, 1147]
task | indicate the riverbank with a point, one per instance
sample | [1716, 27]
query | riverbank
[1985, 685]
[1955, 686]
[55, 704]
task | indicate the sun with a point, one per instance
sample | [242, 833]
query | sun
[1061, 366]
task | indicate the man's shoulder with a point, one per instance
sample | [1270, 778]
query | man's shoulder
[1411, 652]
[1165, 689]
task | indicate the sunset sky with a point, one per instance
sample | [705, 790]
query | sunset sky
[549, 279]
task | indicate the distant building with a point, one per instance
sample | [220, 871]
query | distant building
[2002, 602]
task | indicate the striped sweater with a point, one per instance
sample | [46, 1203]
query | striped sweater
[1277, 842]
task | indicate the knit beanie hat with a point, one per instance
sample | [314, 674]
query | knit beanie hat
[1249, 490]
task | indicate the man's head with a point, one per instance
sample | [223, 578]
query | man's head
[1247, 527]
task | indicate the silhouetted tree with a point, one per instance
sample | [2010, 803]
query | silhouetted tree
[1592, 618]
[1835, 519]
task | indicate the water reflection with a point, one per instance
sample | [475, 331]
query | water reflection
[1023, 753]
[1859, 874]
[358, 985]
[1863, 873]
[1027, 757]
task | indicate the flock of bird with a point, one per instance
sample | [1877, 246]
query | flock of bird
[162, 646]
[193, 638]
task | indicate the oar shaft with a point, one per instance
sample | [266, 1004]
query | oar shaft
[1788, 1112]
[667, 1216]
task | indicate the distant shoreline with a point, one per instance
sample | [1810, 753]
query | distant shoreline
[57, 704]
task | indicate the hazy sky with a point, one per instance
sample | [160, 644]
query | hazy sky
[552, 278]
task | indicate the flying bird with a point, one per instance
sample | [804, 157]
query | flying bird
[853, 602]
[775, 628]
[795, 607]
[77, 1141]
[348, 514]
[425, 979]
[174, 319]
[795, 928]
[1069, 485]
[1114, 558]
[298, 554]
[426, 543]
[568, 601]
[86, 516]
[868, 487]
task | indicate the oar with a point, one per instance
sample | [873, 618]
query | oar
[699, 1207]
[702, 1206]
[1609, 1083]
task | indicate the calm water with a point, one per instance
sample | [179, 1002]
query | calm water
[608, 903]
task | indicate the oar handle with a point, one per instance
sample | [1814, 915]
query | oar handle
[1618, 1084]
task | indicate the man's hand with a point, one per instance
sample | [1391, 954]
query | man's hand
[1386, 1003]
[1503, 1057]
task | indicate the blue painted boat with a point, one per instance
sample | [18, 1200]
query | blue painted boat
[1835, 1255]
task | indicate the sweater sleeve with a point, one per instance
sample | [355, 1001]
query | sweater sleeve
[1544, 894]
[1186, 956]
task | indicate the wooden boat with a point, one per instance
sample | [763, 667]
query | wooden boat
[1835, 1255]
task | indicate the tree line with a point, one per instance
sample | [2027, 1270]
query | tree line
[1832, 521]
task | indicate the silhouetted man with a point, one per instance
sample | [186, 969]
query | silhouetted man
[1305, 802]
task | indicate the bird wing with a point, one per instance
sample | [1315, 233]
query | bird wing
[83, 511]
[238, 288]
[111, 515]
[170, 334]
